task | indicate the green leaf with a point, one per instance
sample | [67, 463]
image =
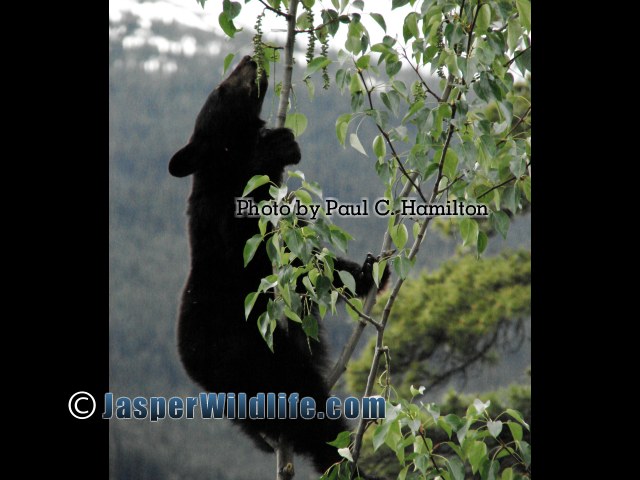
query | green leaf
[355, 85]
[255, 182]
[363, 62]
[483, 241]
[296, 122]
[266, 327]
[410, 27]
[342, 125]
[450, 164]
[525, 449]
[483, 88]
[524, 11]
[310, 326]
[494, 427]
[523, 62]
[507, 474]
[227, 25]
[469, 231]
[446, 426]
[526, 186]
[249, 302]
[518, 416]
[380, 20]
[456, 467]
[342, 440]
[227, 61]
[394, 436]
[311, 88]
[476, 453]
[393, 67]
[480, 406]
[489, 470]
[345, 453]
[348, 280]
[398, 3]
[402, 266]
[232, 9]
[514, 34]
[380, 434]
[354, 141]
[379, 147]
[484, 19]
[250, 248]
[399, 235]
[316, 64]
[516, 430]
[500, 221]
[378, 271]
[291, 315]
[304, 197]
[415, 108]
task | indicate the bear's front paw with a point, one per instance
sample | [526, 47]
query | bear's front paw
[281, 145]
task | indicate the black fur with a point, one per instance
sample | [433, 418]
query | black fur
[221, 350]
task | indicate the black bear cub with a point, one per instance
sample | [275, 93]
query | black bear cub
[220, 350]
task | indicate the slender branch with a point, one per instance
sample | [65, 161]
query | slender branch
[415, 69]
[516, 125]
[442, 157]
[424, 439]
[347, 351]
[459, 177]
[275, 10]
[473, 25]
[461, 8]
[362, 315]
[388, 140]
[288, 64]
[508, 64]
[284, 447]
[506, 182]
[513, 453]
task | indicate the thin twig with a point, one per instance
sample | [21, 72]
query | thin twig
[288, 64]
[508, 64]
[473, 25]
[362, 315]
[424, 439]
[524, 115]
[459, 177]
[506, 182]
[388, 140]
[415, 69]
[275, 10]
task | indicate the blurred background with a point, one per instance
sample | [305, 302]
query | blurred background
[164, 59]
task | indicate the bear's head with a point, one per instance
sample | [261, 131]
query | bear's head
[229, 119]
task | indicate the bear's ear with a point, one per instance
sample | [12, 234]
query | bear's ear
[185, 161]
